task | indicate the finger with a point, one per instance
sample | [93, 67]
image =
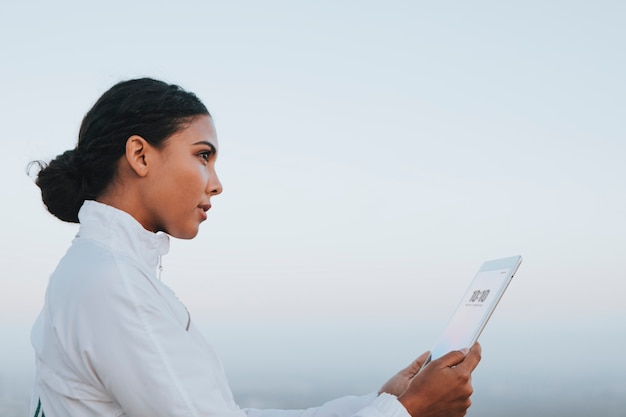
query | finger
[451, 359]
[473, 357]
[416, 365]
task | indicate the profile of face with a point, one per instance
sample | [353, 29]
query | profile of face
[179, 180]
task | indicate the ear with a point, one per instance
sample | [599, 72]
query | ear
[137, 149]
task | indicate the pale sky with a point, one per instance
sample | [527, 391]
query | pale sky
[373, 154]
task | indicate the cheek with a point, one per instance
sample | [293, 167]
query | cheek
[191, 183]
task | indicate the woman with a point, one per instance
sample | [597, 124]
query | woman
[112, 339]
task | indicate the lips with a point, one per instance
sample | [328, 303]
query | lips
[204, 208]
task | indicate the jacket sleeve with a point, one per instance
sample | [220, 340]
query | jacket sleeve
[384, 405]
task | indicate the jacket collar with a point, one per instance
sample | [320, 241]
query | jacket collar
[120, 232]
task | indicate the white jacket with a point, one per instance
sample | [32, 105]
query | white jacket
[112, 340]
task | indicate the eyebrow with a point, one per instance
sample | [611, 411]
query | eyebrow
[207, 143]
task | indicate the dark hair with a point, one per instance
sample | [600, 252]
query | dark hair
[146, 107]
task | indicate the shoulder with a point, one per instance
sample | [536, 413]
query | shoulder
[97, 294]
[94, 278]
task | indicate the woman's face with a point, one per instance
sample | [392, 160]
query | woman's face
[183, 180]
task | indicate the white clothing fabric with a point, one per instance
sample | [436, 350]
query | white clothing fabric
[112, 340]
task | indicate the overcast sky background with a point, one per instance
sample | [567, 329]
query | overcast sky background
[373, 155]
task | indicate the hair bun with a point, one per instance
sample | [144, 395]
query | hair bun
[62, 186]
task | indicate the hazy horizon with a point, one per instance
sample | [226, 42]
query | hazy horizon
[292, 363]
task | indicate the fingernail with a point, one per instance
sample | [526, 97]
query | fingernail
[465, 351]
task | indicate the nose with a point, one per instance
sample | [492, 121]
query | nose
[214, 185]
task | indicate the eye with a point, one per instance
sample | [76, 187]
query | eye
[206, 155]
[206, 151]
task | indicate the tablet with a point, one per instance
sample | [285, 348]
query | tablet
[476, 306]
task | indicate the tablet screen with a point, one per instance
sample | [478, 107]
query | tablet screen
[474, 310]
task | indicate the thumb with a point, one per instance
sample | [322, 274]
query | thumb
[452, 358]
[416, 365]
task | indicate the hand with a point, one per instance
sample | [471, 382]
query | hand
[443, 388]
[400, 381]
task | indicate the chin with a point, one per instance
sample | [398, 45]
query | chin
[184, 234]
[188, 236]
